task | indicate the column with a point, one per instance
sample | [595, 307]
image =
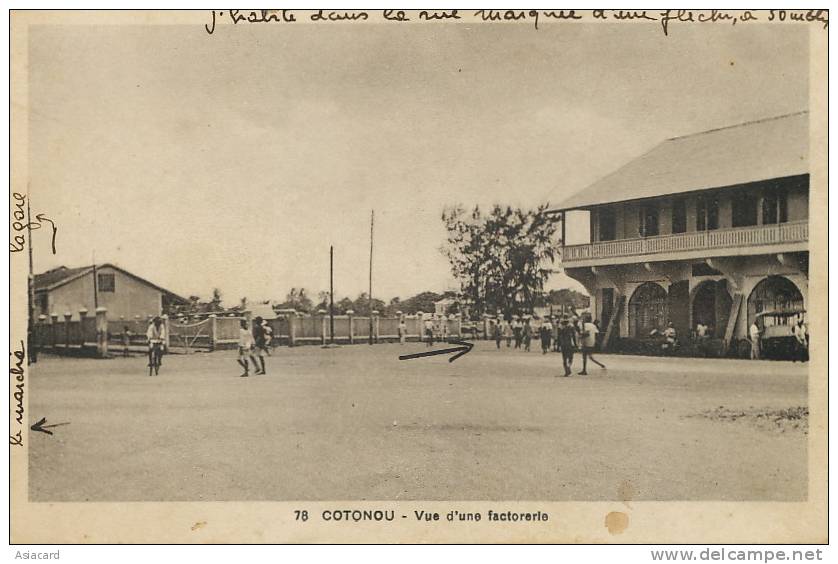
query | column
[67, 316]
[292, 329]
[213, 331]
[324, 323]
[82, 316]
[53, 330]
[351, 315]
[420, 322]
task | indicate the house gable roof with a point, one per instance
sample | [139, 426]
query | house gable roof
[57, 277]
[766, 149]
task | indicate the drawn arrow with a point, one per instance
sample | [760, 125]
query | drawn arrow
[39, 426]
[461, 350]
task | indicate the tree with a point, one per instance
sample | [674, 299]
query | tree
[322, 301]
[343, 306]
[361, 306]
[215, 302]
[424, 302]
[297, 299]
[502, 258]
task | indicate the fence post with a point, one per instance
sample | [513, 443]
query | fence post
[292, 329]
[375, 326]
[53, 330]
[39, 336]
[420, 322]
[102, 331]
[67, 316]
[323, 320]
[351, 314]
[82, 316]
[213, 331]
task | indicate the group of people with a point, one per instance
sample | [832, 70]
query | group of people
[566, 335]
[430, 329]
[254, 344]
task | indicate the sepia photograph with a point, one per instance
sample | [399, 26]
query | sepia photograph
[418, 276]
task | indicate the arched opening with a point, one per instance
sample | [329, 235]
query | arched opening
[775, 294]
[647, 309]
[711, 307]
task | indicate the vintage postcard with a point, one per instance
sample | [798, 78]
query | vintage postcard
[402, 276]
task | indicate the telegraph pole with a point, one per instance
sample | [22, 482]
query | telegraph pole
[372, 222]
[30, 293]
[332, 295]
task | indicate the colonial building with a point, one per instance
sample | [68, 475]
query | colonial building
[708, 228]
[62, 290]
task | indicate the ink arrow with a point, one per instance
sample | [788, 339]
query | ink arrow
[39, 426]
[461, 350]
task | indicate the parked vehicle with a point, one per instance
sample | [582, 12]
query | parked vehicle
[777, 339]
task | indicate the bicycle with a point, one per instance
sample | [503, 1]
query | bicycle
[155, 356]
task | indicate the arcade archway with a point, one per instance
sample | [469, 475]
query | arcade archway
[711, 307]
[647, 309]
[774, 294]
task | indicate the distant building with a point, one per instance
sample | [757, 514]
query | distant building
[707, 228]
[443, 306]
[124, 294]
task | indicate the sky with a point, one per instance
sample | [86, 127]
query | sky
[235, 160]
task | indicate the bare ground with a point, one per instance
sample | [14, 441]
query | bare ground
[356, 423]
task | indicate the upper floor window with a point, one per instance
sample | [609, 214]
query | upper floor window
[775, 207]
[106, 283]
[607, 224]
[707, 213]
[648, 221]
[679, 215]
[743, 210]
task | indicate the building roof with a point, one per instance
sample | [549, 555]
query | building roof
[770, 148]
[57, 277]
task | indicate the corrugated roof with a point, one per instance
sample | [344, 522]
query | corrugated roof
[56, 275]
[748, 152]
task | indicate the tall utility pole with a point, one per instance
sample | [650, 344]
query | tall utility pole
[331, 295]
[372, 222]
[30, 291]
[95, 285]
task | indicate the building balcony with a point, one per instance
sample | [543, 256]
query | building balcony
[739, 241]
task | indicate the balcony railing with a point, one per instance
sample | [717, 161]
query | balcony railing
[793, 232]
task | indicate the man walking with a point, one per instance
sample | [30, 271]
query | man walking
[517, 331]
[402, 330]
[429, 331]
[245, 348]
[526, 331]
[753, 335]
[567, 344]
[261, 344]
[589, 333]
[546, 334]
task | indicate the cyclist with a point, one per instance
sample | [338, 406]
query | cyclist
[156, 337]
